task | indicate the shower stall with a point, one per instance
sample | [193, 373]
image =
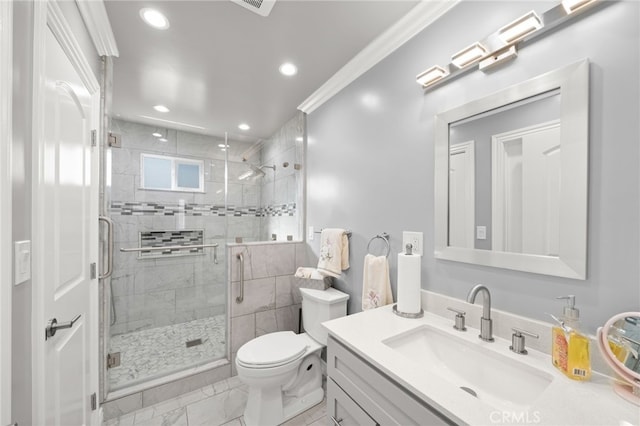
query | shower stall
[172, 201]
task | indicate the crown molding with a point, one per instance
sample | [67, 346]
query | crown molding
[418, 18]
[97, 22]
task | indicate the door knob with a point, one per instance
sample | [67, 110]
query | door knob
[53, 326]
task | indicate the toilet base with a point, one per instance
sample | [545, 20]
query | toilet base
[299, 405]
[291, 407]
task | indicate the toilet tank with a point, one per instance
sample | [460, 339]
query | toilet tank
[319, 306]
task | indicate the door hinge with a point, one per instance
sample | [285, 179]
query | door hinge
[94, 402]
[94, 137]
[115, 140]
[113, 360]
[93, 271]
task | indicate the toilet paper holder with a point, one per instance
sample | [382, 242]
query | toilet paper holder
[395, 309]
[407, 314]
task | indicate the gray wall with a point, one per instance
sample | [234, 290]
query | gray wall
[21, 185]
[370, 155]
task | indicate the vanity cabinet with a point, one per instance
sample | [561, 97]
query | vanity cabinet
[359, 394]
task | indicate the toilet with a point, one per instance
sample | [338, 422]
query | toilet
[283, 369]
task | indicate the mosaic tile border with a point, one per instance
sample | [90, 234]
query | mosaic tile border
[126, 208]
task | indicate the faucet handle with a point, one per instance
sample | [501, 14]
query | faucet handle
[460, 318]
[517, 340]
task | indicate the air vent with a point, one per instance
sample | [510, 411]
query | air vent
[261, 7]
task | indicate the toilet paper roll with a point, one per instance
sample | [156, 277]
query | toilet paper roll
[409, 283]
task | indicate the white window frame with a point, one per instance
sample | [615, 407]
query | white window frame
[175, 162]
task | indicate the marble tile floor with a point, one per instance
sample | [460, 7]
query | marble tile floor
[219, 404]
[147, 354]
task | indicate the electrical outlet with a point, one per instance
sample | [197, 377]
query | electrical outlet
[413, 238]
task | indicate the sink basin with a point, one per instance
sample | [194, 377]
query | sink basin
[493, 378]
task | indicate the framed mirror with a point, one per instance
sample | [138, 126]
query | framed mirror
[511, 176]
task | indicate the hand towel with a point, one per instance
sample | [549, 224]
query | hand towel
[376, 285]
[334, 252]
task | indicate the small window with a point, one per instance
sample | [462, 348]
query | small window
[171, 173]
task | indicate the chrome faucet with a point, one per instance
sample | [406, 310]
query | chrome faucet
[486, 324]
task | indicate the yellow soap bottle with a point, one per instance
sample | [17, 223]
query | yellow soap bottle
[569, 347]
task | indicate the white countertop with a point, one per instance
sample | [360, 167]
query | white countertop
[564, 402]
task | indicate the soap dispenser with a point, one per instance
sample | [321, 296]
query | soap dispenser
[569, 347]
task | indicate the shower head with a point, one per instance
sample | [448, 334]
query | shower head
[255, 171]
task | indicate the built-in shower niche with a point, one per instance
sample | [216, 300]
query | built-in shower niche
[175, 243]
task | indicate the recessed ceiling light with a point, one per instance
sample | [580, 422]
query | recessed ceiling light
[154, 18]
[156, 134]
[243, 126]
[221, 145]
[161, 108]
[299, 139]
[288, 69]
[163, 140]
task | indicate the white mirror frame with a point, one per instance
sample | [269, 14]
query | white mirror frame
[573, 82]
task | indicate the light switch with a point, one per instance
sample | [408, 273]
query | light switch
[481, 232]
[22, 262]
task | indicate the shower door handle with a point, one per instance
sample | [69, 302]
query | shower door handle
[109, 270]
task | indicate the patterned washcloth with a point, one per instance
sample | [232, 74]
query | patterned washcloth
[334, 252]
[376, 285]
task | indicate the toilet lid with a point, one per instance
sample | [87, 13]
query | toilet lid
[272, 349]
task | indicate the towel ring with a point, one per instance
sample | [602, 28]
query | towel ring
[385, 237]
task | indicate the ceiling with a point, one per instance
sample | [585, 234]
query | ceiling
[216, 66]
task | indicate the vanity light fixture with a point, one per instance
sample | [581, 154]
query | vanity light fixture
[501, 45]
[243, 126]
[498, 58]
[154, 18]
[469, 55]
[156, 134]
[571, 6]
[430, 76]
[161, 108]
[520, 28]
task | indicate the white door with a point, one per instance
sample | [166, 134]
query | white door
[5, 210]
[541, 189]
[526, 190]
[462, 191]
[65, 226]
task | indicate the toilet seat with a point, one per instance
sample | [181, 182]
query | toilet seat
[271, 350]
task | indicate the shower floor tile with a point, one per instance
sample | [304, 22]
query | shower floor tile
[152, 353]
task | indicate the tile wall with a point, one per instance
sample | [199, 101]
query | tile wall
[282, 191]
[159, 291]
[272, 302]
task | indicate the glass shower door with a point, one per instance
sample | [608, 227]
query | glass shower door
[168, 301]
